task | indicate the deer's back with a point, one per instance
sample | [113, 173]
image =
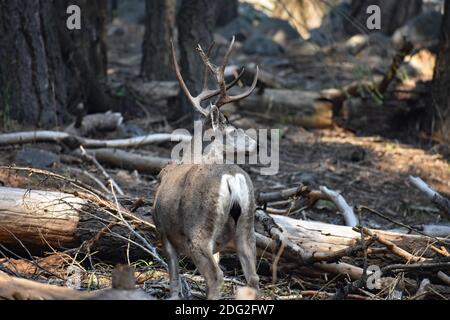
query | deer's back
[188, 206]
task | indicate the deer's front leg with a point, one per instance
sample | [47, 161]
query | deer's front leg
[172, 256]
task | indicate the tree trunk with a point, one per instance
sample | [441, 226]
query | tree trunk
[85, 55]
[159, 27]
[394, 14]
[226, 11]
[441, 84]
[196, 21]
[46, 69]
[32, 76]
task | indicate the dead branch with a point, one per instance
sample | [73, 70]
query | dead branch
[415, 267]
[12, 288]
[431, 231]
[444, 278]
[76, 141]
[89, 176]
[394, 248]
[441, 202]
[92, 159]
[350, 218]
[423, 290]
[266, 197]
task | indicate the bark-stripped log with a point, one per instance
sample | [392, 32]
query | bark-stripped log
[75, 141]
[318, 237]
[129, 160]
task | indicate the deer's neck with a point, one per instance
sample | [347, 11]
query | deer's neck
[213, 153]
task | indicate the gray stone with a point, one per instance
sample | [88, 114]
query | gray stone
[278, 30]
[257, 43]
[36, 158]
[307, 178]
[375, 43]
[422, 31]
[250, 12]
[241, 28]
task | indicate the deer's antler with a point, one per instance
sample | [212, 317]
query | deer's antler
[218, 73]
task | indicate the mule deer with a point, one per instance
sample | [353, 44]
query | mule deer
[200, 208]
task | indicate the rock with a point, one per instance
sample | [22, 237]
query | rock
[131, 11]
[115, 30]
[36, 158]
[279, 30]
[241, 28]
[248, 11]
[422, 31]
[132, 130]
[377, 44]
[258, 43]
[332, 29]
[306, 178]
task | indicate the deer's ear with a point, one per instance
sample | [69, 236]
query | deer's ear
[215, 117]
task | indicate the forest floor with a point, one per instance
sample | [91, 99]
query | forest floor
[369, 169]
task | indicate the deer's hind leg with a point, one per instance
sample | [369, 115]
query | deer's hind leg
[204, 260]
[175, 282]
[245, 242]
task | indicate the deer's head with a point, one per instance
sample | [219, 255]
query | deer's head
[233, 139]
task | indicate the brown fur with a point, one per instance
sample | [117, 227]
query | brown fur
[190, 222]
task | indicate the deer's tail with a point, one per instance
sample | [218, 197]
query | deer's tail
[239, 195]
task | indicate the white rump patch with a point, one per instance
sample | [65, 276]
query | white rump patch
[233, 189]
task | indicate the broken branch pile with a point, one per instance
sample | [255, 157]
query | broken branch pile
[84, 223]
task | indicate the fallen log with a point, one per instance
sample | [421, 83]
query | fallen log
[361, 113]
[304, 108]
[325, 242]
[266, 79]
[21, 289]
[128, 160]
[37, 221]
[99, 122]
[76, 141]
